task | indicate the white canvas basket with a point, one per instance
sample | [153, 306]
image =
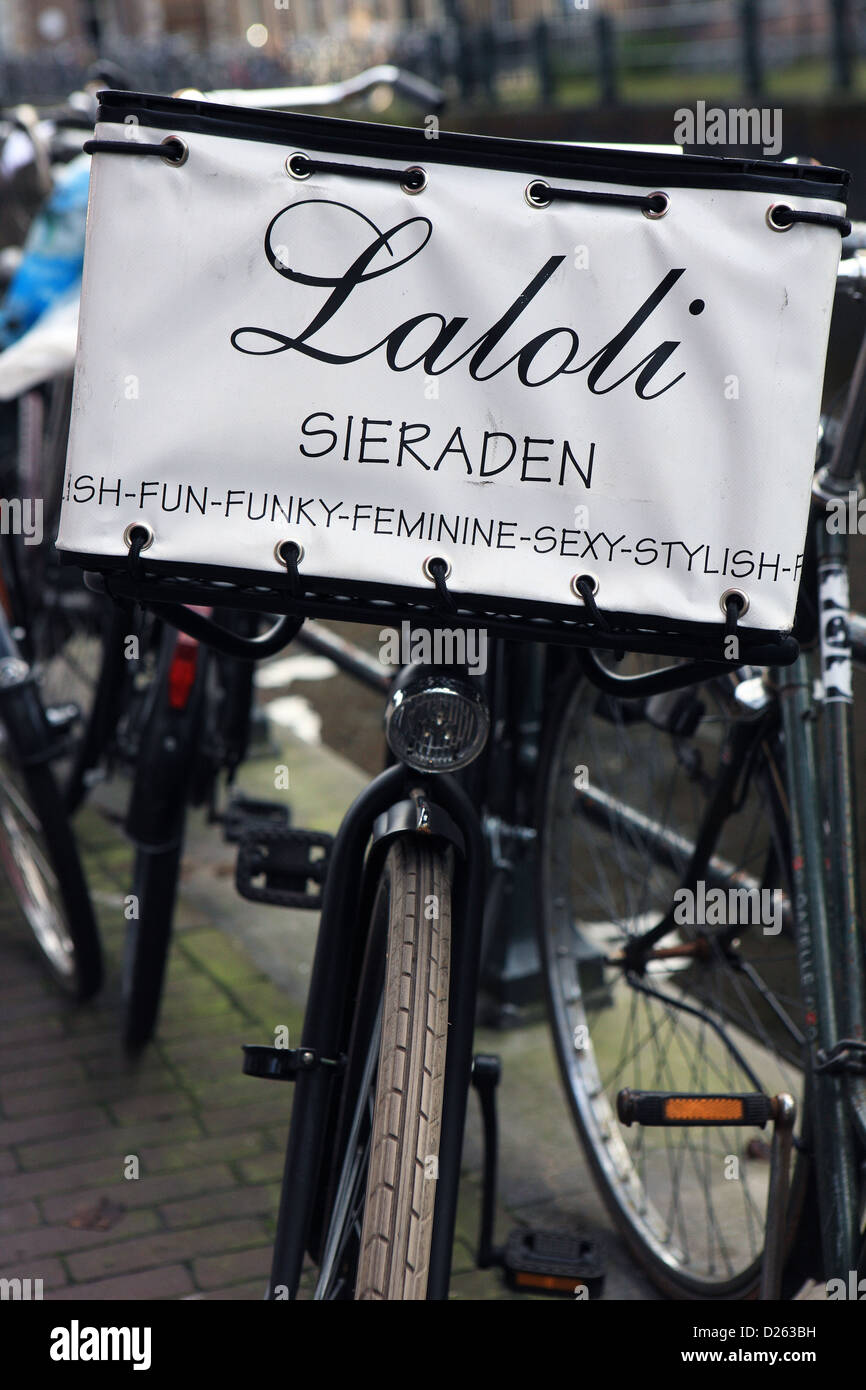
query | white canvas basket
[534, 361]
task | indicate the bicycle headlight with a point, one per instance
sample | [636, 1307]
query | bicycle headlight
[436, 722]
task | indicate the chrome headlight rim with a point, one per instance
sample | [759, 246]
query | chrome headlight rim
[423, 685]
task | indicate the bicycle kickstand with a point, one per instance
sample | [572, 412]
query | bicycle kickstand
[533, 1261]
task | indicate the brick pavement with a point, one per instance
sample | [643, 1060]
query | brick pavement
[77, 1119]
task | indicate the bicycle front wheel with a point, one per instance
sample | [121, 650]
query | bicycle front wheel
[379, 1232]
[401, 1182]
[627, 791]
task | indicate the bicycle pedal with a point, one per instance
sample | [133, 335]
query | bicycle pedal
[244, 814]
[283, 867]
[553, 1262]
[673, 1108]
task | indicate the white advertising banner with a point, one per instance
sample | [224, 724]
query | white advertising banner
[533, 392]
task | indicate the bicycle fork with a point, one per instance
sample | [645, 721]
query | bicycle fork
[313, 1067]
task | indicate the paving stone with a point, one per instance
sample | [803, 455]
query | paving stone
[169, 1281]
[112, 1092]
[23, 1246]
[66, 1177]
[263, 1168]
[130, 1139]
[166, 1248]
[132, 1110]
[43, 1267]
[142, 1192]
[191, 1152]
[219, 1271]
[217, 1206]
[19, 1217]
[61, 1122]
[250, 1292]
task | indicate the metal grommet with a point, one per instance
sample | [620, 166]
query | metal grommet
[129, 534]
[655, 213]
[420, 176]
[593, 579]
[295, 169]
[428, 573]
[181, 145]
[278, 556]
[772, 212]
[532, 196]
[738, 594]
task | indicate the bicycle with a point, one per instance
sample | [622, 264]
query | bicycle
[373, 1157]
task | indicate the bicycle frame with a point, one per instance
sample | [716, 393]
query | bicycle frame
[828, 920]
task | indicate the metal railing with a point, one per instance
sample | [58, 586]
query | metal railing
[489, 60]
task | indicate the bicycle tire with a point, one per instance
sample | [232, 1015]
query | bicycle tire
[397, 1227]
[40, 856]
[580, 991]
[146, 947]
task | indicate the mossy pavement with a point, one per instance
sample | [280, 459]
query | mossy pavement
[78, 1120]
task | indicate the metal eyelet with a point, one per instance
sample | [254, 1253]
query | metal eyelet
[734, 593]
[176, 143]
[775, 226]
[129, 536]
[585, 574]
[428, 573]
[533, 199]
[421, 175]
[278, 556]
[655, 213]
[296, 171]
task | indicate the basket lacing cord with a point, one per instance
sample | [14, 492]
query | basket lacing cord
[647, 202]
[437, 569]
[138, 538]
[304, 164]
[815, 219]
[290, 554]
[164, 150]
[585, 589]
[733, 608]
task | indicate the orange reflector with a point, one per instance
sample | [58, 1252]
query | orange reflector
[545, 1281]
[703, 1108]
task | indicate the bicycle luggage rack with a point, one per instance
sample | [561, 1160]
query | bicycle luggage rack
[170, 587]
[680, 1109]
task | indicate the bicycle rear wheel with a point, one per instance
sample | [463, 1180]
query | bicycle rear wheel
[378, 1237]
[623, 800]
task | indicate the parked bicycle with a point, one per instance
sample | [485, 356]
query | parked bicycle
[704, 777]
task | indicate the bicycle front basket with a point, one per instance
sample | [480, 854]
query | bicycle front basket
[588, 380]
